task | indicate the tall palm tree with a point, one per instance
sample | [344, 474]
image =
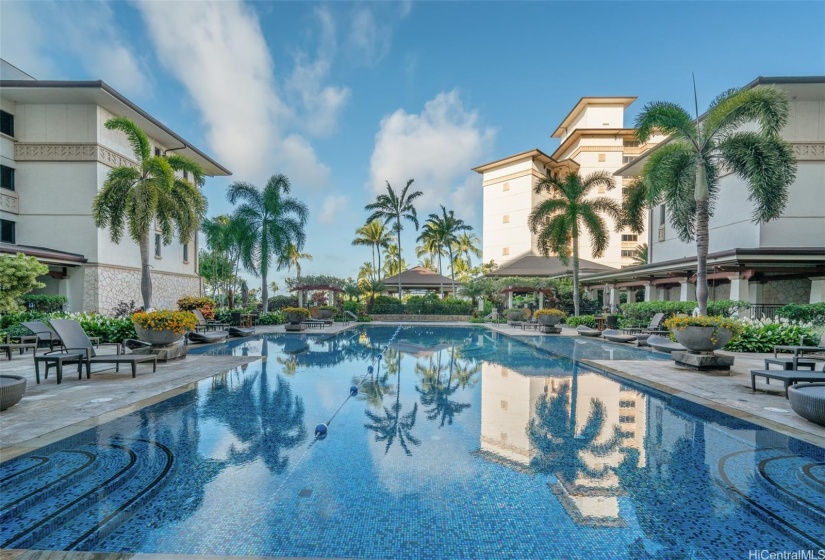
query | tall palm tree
[466, 245]
[394, 263]
[230, 236]
[443, 230]
[292, 256]
[684, 173]
[392, 207]
[570, 211]
[136, 197]
[376, 235]
[275, 220]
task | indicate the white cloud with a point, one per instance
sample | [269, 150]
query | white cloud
[333, 206]
[223, 61]
[35, 33]
[436, 147]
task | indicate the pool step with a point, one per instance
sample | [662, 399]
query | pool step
[782, 476]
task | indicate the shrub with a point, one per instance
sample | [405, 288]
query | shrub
[18, 277]
[586, 320]
[10, 319]
[807, 312]
[277, 303]
[557, 312]
[274, 318]
[476, 320]
[642, 313]
[386, 305]
[109, 329]
[761, 335]
[45, 303]
[204, 304]
[176, 321]
[124, 309]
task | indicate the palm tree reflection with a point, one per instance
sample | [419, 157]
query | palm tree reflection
[375, 387]
[393, 426]
[436, 394]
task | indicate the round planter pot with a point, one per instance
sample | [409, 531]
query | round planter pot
[294, 318]
[325, 313]
[154, 337]
[12, 388]
[515, 316]
[549, 320]
[698, 339]
[808, 400]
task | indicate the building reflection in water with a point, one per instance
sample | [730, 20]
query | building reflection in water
[574, 425]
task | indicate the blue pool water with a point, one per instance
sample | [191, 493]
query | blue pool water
[461, 444]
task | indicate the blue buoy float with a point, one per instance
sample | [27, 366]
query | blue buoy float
[369, 369]
[321, 431]
[353, 391]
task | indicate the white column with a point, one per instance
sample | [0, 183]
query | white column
[739, 288]
[687, 291]
[817, 289]
[510, 299]
[481, 305]
[541, 300]
[649, 292]
[661, 293]
[614, 299]
[631, 295]
[300, 298]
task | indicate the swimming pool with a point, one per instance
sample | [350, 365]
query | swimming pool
[462, 443]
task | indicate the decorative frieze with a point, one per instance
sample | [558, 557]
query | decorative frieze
[70, 152]
[9, 203]
[810, 151]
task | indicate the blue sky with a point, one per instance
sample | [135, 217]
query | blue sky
[344, 96]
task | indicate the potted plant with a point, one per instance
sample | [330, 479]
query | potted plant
[295, 317]
[326, 312]
[162, 328]
[703, 334]
[550, 317]
[515, 314]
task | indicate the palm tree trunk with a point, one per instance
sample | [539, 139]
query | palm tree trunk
[264, 292]
[374, 271]
[701, 197]
[440, 282]
[398, 237]
[378, 272]
[575, 240]
[145, 277]
[452, 270]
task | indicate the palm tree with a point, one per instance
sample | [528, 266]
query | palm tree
[559, 220]
[274, 219]
[290, 257]
[151, 192]
[443, 232]
[374, 234]
[394, 264]
[640, 254]
[466, 245]
[391, 207]
[684, 173]
[230, 236]
[473, 290]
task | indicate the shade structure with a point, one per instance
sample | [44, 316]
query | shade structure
[533, 265]
[419, 279]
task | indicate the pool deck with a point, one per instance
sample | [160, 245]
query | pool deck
[49, 412]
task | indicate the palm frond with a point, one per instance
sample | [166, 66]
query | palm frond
[767, 165]
[136, 137]
[605, 205]
[635, 203]
[597, 179]
[543, 211]
[767, 106]
[182, 163]
[247, 192]
[670, 175]
[596, 227]
[667, 118]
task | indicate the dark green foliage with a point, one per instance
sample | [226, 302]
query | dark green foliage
[422, 305]
[44, 303]
[806, 312]
[109, 329]
[276, 318]
[386, 305]
[642, 313]
[276, 303]
[10, 319]
[586, 320]
[761, 336]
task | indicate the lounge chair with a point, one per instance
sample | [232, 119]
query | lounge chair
[654, 327]
[238, 332]
[8, 346]
[207, 337]
[800, 350]
[787, 376]
[74, 339]
[43, 333]
[615, 336]
[587, 331]
[662, 344]
[207, 324]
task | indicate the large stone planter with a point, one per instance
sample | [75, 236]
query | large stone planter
[515, 316]
[154, 337]
[296, 322]
[549, 320]
[12, 388]
[703, 339]
[808, 400]
[325, 313]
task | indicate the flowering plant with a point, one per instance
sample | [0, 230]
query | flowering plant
[761, 335]
[297, 311]
[557, 312]
[681, 323]
[178, 322]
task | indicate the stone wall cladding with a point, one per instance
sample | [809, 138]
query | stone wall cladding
[104, 287]
[782, 292]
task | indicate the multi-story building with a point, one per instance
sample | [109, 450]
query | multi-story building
[55, 154]
[593, 138]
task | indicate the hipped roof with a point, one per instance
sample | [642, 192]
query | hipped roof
[533, 265]
[418, 277]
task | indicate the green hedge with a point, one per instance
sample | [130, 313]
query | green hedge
[586, 320]
[45, 303]
[418, 305]
[641, 313]
[273, 318]
[807, 312]
[763, 335]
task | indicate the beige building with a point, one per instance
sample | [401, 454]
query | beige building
[55, 154]
[593, 138]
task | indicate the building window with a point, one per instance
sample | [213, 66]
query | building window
[7, 231]
[627, 404]
[630, 237]
[628, 159]
[627, 419]
[505, 219]
[661, 215]
[631, 143]
[628, 252]
[506, 187]
[6, 123]
[6, 177]
[504, 405]
[602, 158]
[186, 252]
[505, 251]
[157, 245]
[157, 152]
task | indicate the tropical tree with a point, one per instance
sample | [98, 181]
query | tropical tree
[640, 254]
[570, 211]
[375, 235]
[393, 264]
[442, 231]
[18, 277]
[684, 173]
[473, 289]
[392, 207]
[231, 238]
[466, 245]
[290, 257]
[151, 192]
[275, 221]
[393, 425]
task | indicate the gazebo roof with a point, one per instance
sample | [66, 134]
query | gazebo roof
[533, 265]
[417, 278]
